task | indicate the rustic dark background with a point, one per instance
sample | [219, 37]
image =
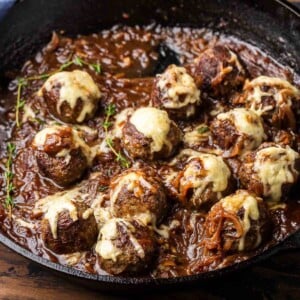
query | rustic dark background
[276, 278]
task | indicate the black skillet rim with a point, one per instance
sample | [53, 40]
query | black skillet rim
[150, 281]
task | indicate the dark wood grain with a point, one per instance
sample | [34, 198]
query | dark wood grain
[276, 278]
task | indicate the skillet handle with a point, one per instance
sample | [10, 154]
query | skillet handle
[292, 242]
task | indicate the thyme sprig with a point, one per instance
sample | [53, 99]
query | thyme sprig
[109, 112]
[202, 129]
[9, 201]
[96, 67]
[22, 82]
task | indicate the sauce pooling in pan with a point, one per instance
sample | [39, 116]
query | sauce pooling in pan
[149, 151]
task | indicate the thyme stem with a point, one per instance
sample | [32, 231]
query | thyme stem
[110, 111]
[9, 202]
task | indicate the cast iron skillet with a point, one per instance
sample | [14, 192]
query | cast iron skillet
[28, 27]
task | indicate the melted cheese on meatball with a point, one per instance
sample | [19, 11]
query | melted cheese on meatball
[249, 203]
[106, 247]
[53, 205]
[275, 166]
[178, 89]
[217, 172]
[152, 123]
[193, 137]
[246, 122]
[41, 137]
[132, 181]
[282, 92]
[75, 85]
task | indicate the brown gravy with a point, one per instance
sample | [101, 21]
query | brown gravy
[129, 58]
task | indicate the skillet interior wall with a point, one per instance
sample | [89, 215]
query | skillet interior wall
[29, 24]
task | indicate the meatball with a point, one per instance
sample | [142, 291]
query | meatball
[202, 180]
[270, 171]
[283, 137]
[176, 92]
[237, 131]
[238, 222]
[61, 154]
[71, 96]
[138, 194]
[150, 134]
[125, 247]
[274, 99]
[67, 226]
[219, 71]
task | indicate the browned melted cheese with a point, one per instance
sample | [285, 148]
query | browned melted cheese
[128, 56]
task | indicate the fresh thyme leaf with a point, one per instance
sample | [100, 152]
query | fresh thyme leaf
[110, 111]
[124, 162]
[203, 129]
[102, 188]
[78, 61]
[97, 68]
[22, 81]
[109, 142]
[11, 147]
[21, 103]
[106, 124]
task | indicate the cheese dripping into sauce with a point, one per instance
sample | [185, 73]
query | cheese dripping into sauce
[246, 122]
[106, 246]
[73, 86]
[275, 166]
[216, 172]
[77, 142]
[242, 199]
[53, 205]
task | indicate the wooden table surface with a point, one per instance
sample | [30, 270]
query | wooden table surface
[276, 278]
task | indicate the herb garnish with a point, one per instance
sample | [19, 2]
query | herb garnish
[109, 112]
[22, 82]
[80, 62]
[203, 129]
[102, 188]
[9, 201]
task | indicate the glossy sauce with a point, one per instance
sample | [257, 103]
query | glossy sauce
[129, 57]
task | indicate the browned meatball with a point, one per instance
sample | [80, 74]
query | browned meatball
[270, 171]
[176, 92]
[150, 134]
[125, 247]
[283, 137]
[219, 71]
[71, 96]
[237, 131]
[68, 226]
[138, 194]
[275, 99]
[238, 222]
[61, 154]
[200, 181]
